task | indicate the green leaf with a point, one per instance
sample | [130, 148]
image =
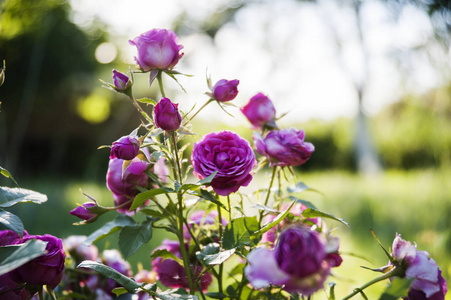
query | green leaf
[204, 194]
[207, 180]
[10, 221]
[147, 101]
[157, 154]
[144, 196]
[215, 259]
[265, 208]
[119, 291]
[12, 196]
[129, 284]
[239, 232]
[131, 238]
[165, 254]
[216, 295]
[331, 291]
[109, 228]
[300, 187]
[313, 213]
[177, 294]
[12, 257]
[6, 173]
[153, 213]
[274, 223]
[398, 288]
[305, 202]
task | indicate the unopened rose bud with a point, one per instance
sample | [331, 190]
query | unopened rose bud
[126, 148]
[121, 81]
[83, 213]
[225, 90]
[167, 116]
[260, 111]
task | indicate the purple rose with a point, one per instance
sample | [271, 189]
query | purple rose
[167, 116]
[428, 283]
[170, 273]
[9, 289]
[260, 111]
[74, 245]
[300, 262]
[227, 153]
[46, 269]
[225, 90]
[9, 237]
[83, 213]
[124, 185]
[161, 170]
[284, 147]
[157, 50]
[126, 148]
[121, 81]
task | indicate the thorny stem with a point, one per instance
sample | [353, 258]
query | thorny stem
[397, 271]
[268, 193]
[140, 110]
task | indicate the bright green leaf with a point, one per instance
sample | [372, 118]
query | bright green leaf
[216, 295]
[305, 202]
[144, 196]
[119, 291]
[109, 228]
[398, 288]
[207, 180]
[215, 259]
[15, 256]
[239, 232]
[129, 284]
[204, 194]
[313, 213]
[147, 101]
[274, 223]
[10, 221]
[12, 196]
[6, 173]
[165, 254]
[131, 238]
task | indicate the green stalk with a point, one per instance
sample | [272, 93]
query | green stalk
[203, 106]
[160, 84]
[221, 266]
[397, 271]
[268, 194]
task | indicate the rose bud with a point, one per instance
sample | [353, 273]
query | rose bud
[167, 116]
[227, 153]
[225, 90]
[121, 81]
[157, 50]
[84, 213]
[260, 111]
[46, 269]
[126, 148]
[284, 147]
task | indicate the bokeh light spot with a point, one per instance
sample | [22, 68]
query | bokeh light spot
[106, 53]
[94, 109]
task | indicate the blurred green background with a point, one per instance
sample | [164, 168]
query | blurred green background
[387, 168]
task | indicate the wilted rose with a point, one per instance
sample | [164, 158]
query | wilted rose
[227, 153]
[428, 282]
[225, 90]
[127, 148]
[284, 147]
[260, 111]
[158, 49]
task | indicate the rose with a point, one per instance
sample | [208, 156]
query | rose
[428, 283]
[228, 154]
[170, 273]
[46, 269]
[260, 111]
[74, 245]
[121, 81]
[124, 185]
[225, 90]
[284, 147]
[161, 170]
[300, 262]
[167, 116]
[157, 50]
[126, 148]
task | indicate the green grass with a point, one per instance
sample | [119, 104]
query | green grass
[416, 204]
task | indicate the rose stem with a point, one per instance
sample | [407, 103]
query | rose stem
[268, 193]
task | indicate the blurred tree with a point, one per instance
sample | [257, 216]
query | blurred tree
[51, 63]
